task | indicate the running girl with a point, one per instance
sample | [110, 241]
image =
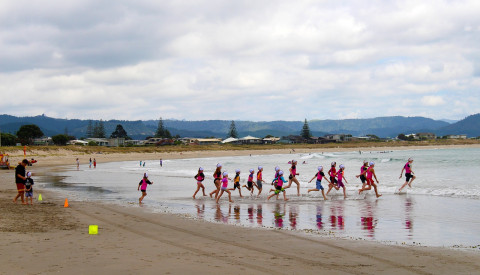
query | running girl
[199, 177]
[340, 177]
[217, 177]
[279, 187]
[275, 180]
[319, 175]
[143, 184]
[250, 182]
[224, 188]
[236, 183]
[409, 175]
[293, 178]
[370, 183]
[333, 181]
[362, 176]
[260, 180]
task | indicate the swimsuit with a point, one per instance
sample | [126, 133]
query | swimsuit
[340, 178]
[332, 174]
[224, 183]
[408, 172]
[236, 182]
[362, 175]
[319, 180]
[259, 179]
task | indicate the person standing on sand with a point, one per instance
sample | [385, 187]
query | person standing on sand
[143, 184]
[20, 180]
[94, 163]
[90, 166]
[409, 174]
[29, 188]
[78, 164]
[161, 163]
[217, 177]
[319, 175]
[199, 177]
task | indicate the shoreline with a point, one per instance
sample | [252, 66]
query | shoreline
[55, 239]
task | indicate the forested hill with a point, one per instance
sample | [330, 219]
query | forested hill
[380, 126]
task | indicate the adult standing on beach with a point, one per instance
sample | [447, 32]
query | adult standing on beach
[293, 176]
[217, 177]
[409, 174]
[20, 180]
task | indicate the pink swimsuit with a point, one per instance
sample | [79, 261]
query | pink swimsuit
[224, 183]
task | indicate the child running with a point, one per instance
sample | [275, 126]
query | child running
[217, 177]
[29, 188]
[199, 177]
[250, 182]
[224, 188]
[409, 175]
[143, 184]
[293, 176]
[333, 181]
[260, 180]
[236, 183]
[340, 177]
[279, 187]
[319, 175]
[362, 176]
[370, 173]
[275, 179]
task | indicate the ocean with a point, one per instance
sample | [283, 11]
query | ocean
[441, 209]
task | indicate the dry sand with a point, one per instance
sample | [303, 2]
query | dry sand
[47, 238]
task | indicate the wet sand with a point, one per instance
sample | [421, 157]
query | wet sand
[47, 238]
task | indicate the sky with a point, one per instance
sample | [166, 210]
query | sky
[239, 60]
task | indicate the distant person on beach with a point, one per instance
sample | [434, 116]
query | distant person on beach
[293, 176]
[319, 175]
[279, 187]
[90, 166]
[370, 175]
[217, 178]
[20, 180]
[29, 188]
[140, 163]
[199, 177]
[142, 185]
[224, 188]
[94, 163]
[409, 174]
[143, 164]
[236, 183]
[333, 181]
[161, 163]
[260, 180]
[78, 164]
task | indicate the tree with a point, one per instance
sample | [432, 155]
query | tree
[305, 130]
[60, 139]
[27, 133]
[99, 129]
[167, 134]
[402, 137]
[8, 139]
[233, 130]
[89, 133]
[160, 129]
[119, 132]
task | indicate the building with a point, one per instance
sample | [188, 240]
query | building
[426, 135]
[270, 140]
[77, 142]
[456, 136]
[43, 141]
[206, 141]
[338, 137]
[231, 140]
[250, 140]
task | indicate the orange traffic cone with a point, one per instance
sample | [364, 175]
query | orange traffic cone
[66, 203]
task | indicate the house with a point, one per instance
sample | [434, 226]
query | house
[43, 141]
[135, 142]
[206, 141]
[457, 136]
[231, 140]
[270, 140]
[98, 141]
[339, 137]
[77, 142]
[250, 140]
[426, 136]
[291, 139]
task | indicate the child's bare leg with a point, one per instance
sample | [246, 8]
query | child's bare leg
[410, 183]
[285, 196]
[405, 184]
[219, 196]
[323, 194]
[310, 190]
[259, 191]
[375, 189]
[298, 186]
[344, 193]
[240, 191]
[194, 194]
[203, 190]
[229, 196]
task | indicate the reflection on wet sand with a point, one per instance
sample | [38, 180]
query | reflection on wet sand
[319, 217]
[408, 216]
[368, 219]
[292, 215]
[279, 213]
[336, 216]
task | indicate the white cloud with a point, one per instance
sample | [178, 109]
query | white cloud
[210, 60]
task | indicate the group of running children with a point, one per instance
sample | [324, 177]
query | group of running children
[337, 178]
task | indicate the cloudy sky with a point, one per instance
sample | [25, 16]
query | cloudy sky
[240, 60]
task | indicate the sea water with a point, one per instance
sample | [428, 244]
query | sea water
[441, 209]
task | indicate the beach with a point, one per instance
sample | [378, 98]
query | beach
[47, 238]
